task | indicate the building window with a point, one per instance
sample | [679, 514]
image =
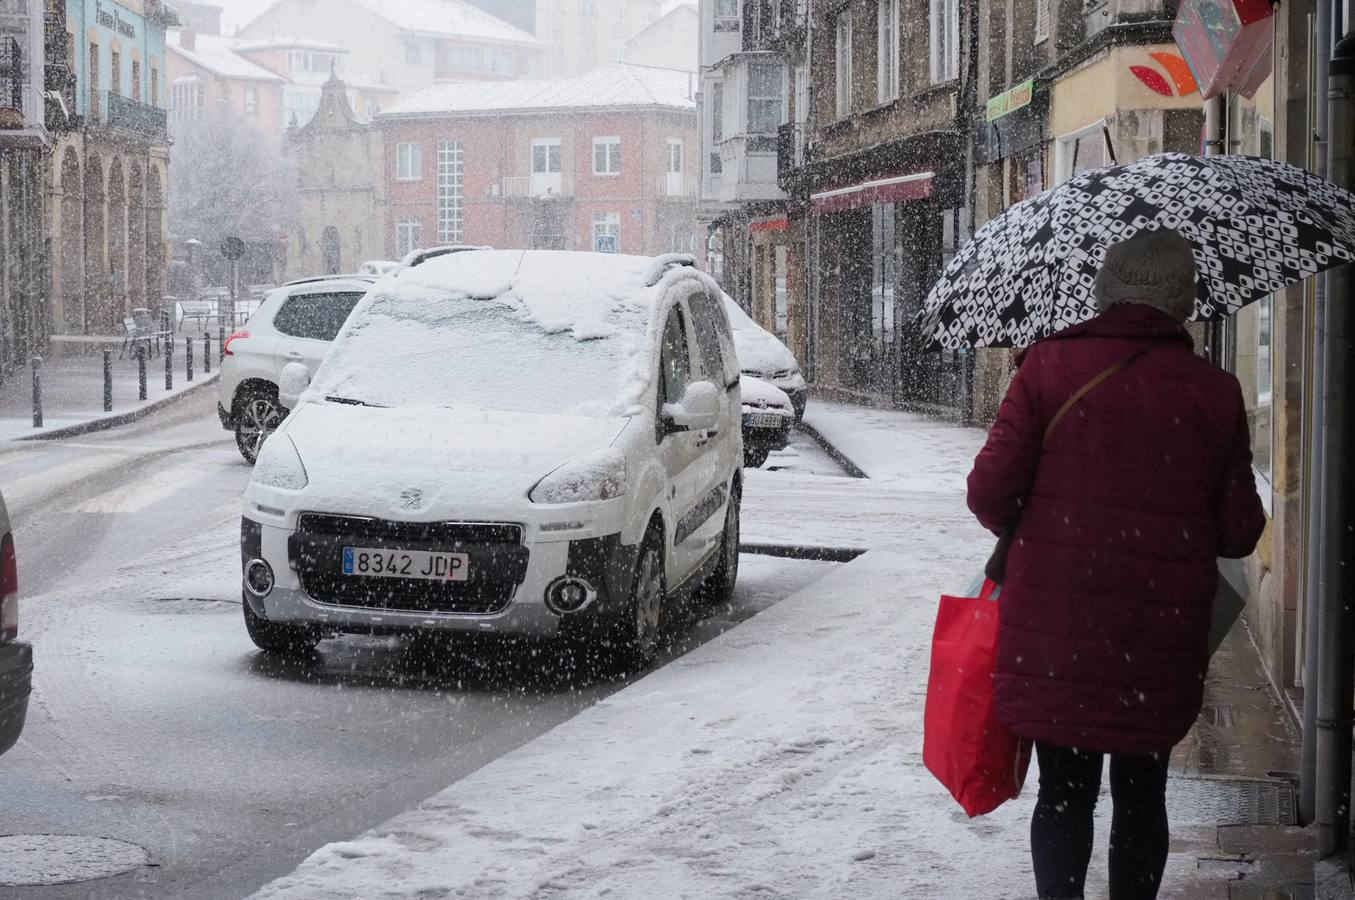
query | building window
[299, 106]
[727, 15]
[945, 50]
[887, 56]
[451, 192]
[408, 235]
[155, 86]
[764, 98]
[607, 155]
[187, 100]
[94, 98]
[546, 156]
[413, 53]
[1080, 151]
[503, 62]
[619, 53]
[674, 159]
[1041, 21]
[251, 101]
[607, 232]
[408, 161]
[619, 9]
[717, 112]
[115, 72]
[588, 7]
[844, 63]
[136, 81]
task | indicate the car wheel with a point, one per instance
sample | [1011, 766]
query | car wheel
[754, 457]
[719, 588]
[637, 638]
[278, 637]
[260, 415]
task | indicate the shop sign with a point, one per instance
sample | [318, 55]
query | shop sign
[1226, 43]
[1010, 101]
[113, 20]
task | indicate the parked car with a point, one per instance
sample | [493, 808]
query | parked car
[378, 267]
[762, 355]
[295, 323]
[423, 255]
[539, 443]
[767, 419]
[16, 657]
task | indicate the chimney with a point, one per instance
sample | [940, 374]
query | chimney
[188, 39]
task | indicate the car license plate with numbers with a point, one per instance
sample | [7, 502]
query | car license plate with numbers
[378, 562]
[762, 420]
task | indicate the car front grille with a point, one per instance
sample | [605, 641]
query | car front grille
[498, 563]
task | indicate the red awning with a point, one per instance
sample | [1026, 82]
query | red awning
[778, 224]
[867, 193]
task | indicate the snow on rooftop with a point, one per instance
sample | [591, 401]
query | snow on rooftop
[219, 56]
[288, 43]
[451, 18]
[620, 85]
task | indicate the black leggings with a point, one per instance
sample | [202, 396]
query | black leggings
[1061, 830]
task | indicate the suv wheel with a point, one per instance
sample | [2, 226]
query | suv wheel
[259, 416]
[720, 585]
[637, 639]
[278, 637]
[754, 457]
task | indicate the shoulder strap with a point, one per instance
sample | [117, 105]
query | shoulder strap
[1087, 388]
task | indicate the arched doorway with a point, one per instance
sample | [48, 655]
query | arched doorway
[117, 241]
[71, 242]
[136, 236]
[155, 237]
[97, 314]
[332, 251]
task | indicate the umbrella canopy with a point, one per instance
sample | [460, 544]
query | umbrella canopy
[1257, 226]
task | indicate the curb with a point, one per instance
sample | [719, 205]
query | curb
[851, 468]
[117, 419]
[805, 551]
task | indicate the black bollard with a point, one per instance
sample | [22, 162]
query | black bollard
[220, 345]
[141, 372]
[37, 392]
[169, 365]
[108, 381]
[206, 354]
[188, 360]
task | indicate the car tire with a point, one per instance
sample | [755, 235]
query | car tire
[636, 638]
[719, 587]
[754, 457]
[259, 414]
[277, 637]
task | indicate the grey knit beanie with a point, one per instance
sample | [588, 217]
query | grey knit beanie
[1156, 268]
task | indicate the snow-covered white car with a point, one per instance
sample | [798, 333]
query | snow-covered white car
[424, 254]
[295, 323]
[767, 419]
[540, 443]
[762, 355]
[16, 657]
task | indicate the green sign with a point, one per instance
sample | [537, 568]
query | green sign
[1010, 101]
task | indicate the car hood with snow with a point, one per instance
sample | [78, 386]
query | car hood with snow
[760, 353]
[760, 396]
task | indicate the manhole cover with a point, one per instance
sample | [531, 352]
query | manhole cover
[31, 859]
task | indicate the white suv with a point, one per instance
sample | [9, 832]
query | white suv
[16, 657]
[295, 323]
[541, 443]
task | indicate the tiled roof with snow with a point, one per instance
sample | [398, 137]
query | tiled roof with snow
[670, 5]
[218, 55]
[449, 18]
[611, 87]
[289, 43]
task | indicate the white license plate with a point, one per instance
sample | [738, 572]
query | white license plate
[377, 562]
[763, 420]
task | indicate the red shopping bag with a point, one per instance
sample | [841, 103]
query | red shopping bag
[979, 761]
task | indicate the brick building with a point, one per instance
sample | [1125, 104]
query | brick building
[598, 161]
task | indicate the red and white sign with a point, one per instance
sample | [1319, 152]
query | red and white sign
[1226, 43]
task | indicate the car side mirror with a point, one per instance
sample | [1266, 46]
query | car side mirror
[699, 409]
[292, 383]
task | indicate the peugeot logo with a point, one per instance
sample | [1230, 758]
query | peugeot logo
[411, 498]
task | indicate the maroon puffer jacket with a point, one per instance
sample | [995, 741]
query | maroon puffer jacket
[1105, 609]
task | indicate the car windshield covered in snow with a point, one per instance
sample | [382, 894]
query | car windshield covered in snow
[534, 342]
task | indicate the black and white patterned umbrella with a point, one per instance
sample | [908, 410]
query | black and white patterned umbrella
[1258, 225]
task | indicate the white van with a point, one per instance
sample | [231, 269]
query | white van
[539, 443]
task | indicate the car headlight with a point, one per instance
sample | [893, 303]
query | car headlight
[279, 465]
[600, 475]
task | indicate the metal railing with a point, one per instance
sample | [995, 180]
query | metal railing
[135, 116]
[677, 185]
[553, 185]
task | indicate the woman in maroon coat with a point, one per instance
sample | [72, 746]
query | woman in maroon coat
[1120, 513]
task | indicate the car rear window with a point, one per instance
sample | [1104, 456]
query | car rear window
[316, 317]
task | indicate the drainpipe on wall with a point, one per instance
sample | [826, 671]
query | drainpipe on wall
[1320, 54]
[811, 221]
[1336, 667]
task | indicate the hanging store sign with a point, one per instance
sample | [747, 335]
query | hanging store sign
[1226, 43]
[1010, 101]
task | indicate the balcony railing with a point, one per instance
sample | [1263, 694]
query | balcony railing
[677, 186]
[127, 114]
[542, 186]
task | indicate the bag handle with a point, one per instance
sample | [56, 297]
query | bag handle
[1087, 388]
